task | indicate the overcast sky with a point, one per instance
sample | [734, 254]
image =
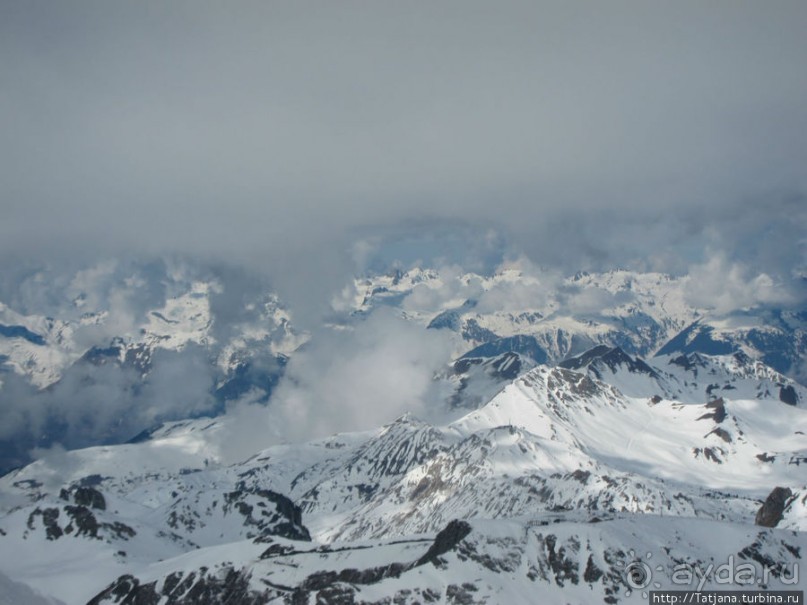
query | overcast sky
[310, 140]
[282, 134]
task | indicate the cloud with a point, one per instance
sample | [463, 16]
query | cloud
[275, 136]
[591, 300]
[452, 289]
[296, 145]
[112, 299]
[346, 380]
[107, 403]
[360, 379]
[722, 286]
[122, 290]
[529, 288]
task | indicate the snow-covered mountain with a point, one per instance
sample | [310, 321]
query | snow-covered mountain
[556, 487]
[542, 316]
[551, 318]
[128, 347]
[518, 561]
[596, 425]
[689, 377]
[232, 340]
[554, 317]
[776, 337]
[42, 348]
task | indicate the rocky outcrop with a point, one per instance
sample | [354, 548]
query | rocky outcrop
[231, 586]
[454, 533]
[771, 511]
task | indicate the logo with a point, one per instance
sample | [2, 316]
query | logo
[640, 574]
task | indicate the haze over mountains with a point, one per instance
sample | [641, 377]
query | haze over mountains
[411, 303]
[117, 355]
[466, 405]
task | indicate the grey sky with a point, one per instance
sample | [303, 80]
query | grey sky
[276, 133]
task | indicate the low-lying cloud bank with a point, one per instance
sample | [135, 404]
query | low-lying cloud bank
[271, 136]
[354, 377]
[96, 404]
[351, 380]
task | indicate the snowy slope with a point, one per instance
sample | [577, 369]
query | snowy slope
[39, 347]
[550, 318]
[775, 337]
[236, 345]
[186, 349]
[524, 560]
[555, 449]
[692, 377]
[638, 311]
[42, 348]
[556, 439]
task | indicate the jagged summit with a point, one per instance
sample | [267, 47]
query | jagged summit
[688, 376]
[613, 359]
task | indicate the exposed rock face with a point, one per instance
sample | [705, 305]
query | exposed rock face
[78, 521]
[285, 521]
[612, 358]
[204, 589]
[788, 395]
[230, 585]
[770, 513]
[719, 413]
[84, 496]
[50, 520]
[556, 494]
[318, 581]
[446, 540]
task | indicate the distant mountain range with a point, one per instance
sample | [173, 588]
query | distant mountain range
[599, 427]
[552, 319]
[546, 320]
